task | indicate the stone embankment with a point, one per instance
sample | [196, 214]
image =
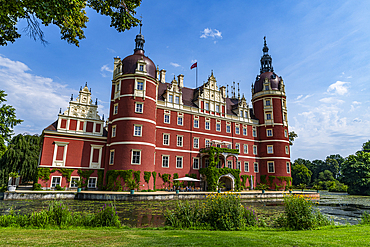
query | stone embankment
[143, 196]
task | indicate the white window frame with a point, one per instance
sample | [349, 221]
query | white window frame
[52, 182]
[238, 165]
[286, 149]
[136, 107]
[114, 131]
[206, 162]
[115, 109]
[164, 139]
[270, 149]
[254, 132]
[132, 156]
[111, 157]
[269, 133]
[169, 118]
[245, 131]
[207, 124]
[196, 143]
[245, 148]
[170, 98]
[237, 146]
[230, 164]
[268, 167]
[196, 123]
[206, 106]
[218, 127]
[181, 159]
[60, 162]
[237, 130]
[255, 165]
[168, 161]
[182, 120]
[285, 133]
[140, 130]
[95, 183]
[246, 165]
[205, 143]
[195, 159]
[268, 115]
[180, 141]
[255, 151]
[100, 148]
[217, 108]
[228, 128]
[71, 183]
[267, 102]
[137, 85]
[177, 99]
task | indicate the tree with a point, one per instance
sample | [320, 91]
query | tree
[292, 136]
[333, 166]
[69, 16]
[366, 147]
[356, 173]
[21, 157]
[301, 174]
[7, 121]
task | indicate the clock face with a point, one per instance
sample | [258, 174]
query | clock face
[84, 99]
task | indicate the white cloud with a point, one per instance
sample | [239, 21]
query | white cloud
[193, 61]
[111, 50]
[300, 98]
[175, 65]
[208, 32]
[331, 100]
[356, 103]
[105, 68]
[36, 99]
[339, 87]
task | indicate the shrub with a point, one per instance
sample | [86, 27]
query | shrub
[107, 216]
[300, 215]
[58, 187]
[365, 218]
[220, 211]
[37, 186]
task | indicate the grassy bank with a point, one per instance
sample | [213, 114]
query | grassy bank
[327, 236]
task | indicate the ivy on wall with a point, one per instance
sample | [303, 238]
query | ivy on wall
[154, 174]
[85, 175]
[212, 173]
[166, 178]
[137, 176]
[111, 178]
[100, 178]
[147, 176]
[245, 178]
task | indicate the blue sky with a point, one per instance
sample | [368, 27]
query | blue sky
[320, 48]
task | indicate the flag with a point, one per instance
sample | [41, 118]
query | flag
[194, 65]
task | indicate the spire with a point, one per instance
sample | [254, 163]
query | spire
[139, 41]
[266, 60]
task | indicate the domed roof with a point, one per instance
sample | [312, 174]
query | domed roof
[271, 76]
[130, 63]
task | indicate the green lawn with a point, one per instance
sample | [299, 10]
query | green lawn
[329, 236]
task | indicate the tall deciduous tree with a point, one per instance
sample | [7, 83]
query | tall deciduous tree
[21, 157]
[292, 136]
[301, 174]
[366, 147]
[68, 15]
[7, 121]
[356, 173]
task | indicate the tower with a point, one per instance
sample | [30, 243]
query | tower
[269, 104]
[132, 121]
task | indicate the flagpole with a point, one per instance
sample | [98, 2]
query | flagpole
[196, 79]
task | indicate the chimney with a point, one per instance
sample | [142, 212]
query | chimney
[223, 91]
[117, 60]
[181, 80]
[163, 76]
[157, 73]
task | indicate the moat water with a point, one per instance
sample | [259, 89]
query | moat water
[341, 207]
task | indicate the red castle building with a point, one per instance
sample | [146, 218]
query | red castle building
[161, 126]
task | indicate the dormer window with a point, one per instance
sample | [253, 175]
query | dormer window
[170, 98]
[207, 106]
[217, 108]
[268, 102]
[267, 87]
[141, 67]
[177, 99]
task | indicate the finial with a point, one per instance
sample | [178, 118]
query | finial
[71, 97]
[238, 91]
[234, 89]
[60, 110]
[264, 39]
[212, 72]
[90, 90]
[86, 84]
[96, 101]
[227, 91]
[81, 88]
[103, 117]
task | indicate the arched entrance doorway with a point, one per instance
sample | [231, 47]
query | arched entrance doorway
[228, 181]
